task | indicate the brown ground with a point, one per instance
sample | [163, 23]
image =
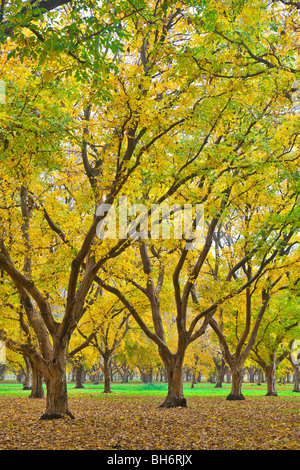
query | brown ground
[115, 423]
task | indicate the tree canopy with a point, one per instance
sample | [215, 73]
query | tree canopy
[159, 104]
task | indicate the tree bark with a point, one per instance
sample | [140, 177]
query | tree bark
[57, 400]
[271, 380]
[56, 384]
[222, 369]
[251, 372]
[2, 371]
[296, 379]
[174, 372]
[260, 377]
[146, 375]
[193, 380]
[79, 376]
[37, 390]
[236, 384]
[27, 380]
[106, 371]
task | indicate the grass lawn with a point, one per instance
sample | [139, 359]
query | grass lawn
[136, 388]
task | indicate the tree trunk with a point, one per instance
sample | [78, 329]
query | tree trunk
[56, 384]
[79, 376]
[106, 371]
[57, 399]
[147, 376]
[174, 372]
[222, 368]
[236, 384]
[271, 380]
[193, 380]
[260, 377]
[37, 390]
[296, 379]
[2, 371]
[251, 371]
[27, 380]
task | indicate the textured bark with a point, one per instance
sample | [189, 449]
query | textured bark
[146, 375]
[27, 380]
[106, 371]
[296, 379]
[260, 377]
[37, 390]
[222, 369]
[56, 383]
[57, 398]
[271, 380]
[236, 385]
[174, 371]
[79, 376]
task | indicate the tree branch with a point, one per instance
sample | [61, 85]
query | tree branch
[24, 284]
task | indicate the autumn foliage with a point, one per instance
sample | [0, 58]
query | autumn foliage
[159, 104]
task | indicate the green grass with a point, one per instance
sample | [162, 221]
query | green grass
[136, 388]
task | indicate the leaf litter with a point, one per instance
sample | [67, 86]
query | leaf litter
[116, 423]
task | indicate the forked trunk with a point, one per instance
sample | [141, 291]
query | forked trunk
[236, 384]
[174, 371]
